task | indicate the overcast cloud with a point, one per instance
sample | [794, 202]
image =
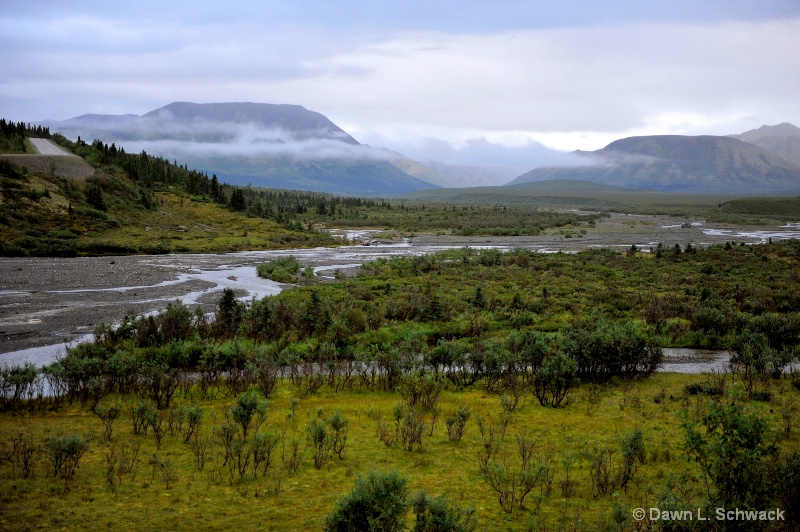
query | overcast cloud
[488, 79]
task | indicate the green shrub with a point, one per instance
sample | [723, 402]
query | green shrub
[377, 503]
[442, 515]
[281, 270]
[65, 453]
[556, 379]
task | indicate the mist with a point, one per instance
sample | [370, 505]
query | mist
[163, 135]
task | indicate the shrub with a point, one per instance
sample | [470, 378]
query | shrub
[249, 410]
[558, 376]
[457, 422]
[194, 418]
[786, 485]
[409, 426]
[731, 448]
[320, 441]
[633, 451]
[282, 269]
[141, 415]
[377, 503]
[442, 515]
[108, 414]
[16, 383]
[339, 425]
[65, 452]
[512, 486]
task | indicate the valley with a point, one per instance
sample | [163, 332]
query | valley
[597, 327]
[48, 302]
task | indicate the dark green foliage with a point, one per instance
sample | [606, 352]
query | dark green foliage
[478, 300]
[17, 384]
[633, 454]
[65, 453]
[442, 515]
[785, 485]
[228, 316]
[732, 445]
[238, 203]
[555, 380]
[282, 269]
[249, 410]
[12, 135]
[108, 414]
[377, 503]
[602, 350]
[94, 197]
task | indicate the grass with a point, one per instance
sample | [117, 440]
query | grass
[184, 225]
[208, 499]
[44, 215]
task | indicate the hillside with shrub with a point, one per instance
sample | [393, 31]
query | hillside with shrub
[135, 203]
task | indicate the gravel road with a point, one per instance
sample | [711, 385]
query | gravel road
[51, 159]
[48, 147]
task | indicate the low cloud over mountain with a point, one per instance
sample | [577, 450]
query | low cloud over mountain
[700, 164]
[284, 146]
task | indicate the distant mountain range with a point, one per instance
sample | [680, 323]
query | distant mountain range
[758, 162]
[278, 146]
[288, 146]
[783, 139]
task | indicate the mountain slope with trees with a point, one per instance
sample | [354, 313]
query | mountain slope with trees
[138, 203]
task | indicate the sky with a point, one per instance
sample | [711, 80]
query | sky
[459, 81]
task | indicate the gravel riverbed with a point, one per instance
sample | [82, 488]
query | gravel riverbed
[49, 301]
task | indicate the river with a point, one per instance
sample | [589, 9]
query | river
[46, 304]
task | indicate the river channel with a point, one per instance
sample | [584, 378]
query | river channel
[48, 303]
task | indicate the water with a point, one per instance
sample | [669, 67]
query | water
[682, 360]
[50, 301]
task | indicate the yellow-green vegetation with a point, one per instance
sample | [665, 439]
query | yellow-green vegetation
[446, 218]
[440, 368]
[110, 213]
[167, 489]
[183, 224]
[282, 269]
[758, 210]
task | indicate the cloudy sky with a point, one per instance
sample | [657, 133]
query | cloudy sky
[471, 80]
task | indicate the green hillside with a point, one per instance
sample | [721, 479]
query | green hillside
[140, 204]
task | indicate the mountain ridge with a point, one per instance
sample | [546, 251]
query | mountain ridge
[703, 164]
[268, 145]
[783, 139]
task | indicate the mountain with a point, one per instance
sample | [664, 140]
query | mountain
[783, 139]
[418, 169]
[268, 145]
[673, 163]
